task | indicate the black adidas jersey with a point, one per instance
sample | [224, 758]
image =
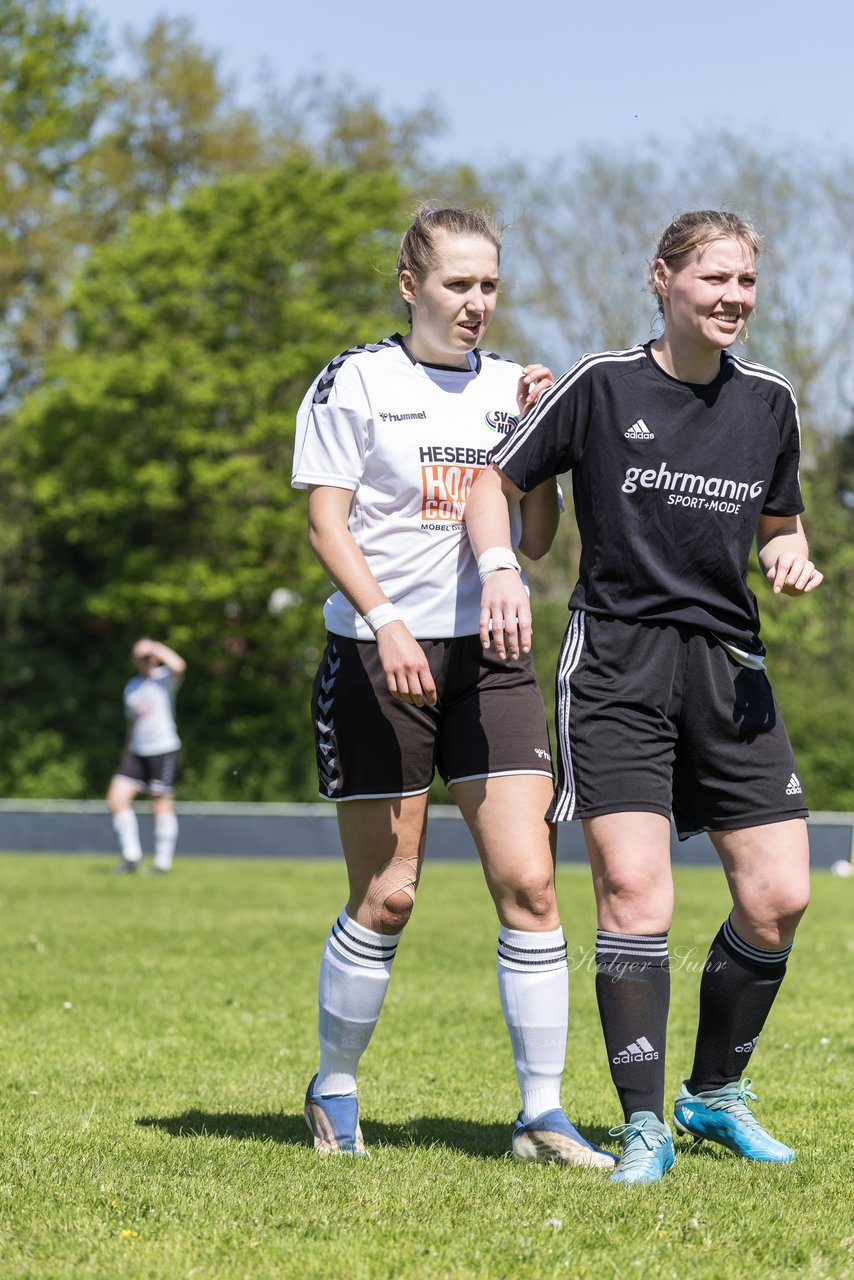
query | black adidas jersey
[669, 480]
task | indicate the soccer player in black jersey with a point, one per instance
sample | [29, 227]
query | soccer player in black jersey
[389, 439]
[681, 453]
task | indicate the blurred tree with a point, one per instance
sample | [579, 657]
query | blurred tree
[158, 453]
[589, 225]
[145, 481]
[52, 89]
[343, 126]
[167, 126]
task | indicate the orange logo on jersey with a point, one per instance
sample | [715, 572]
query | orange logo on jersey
[445, 490]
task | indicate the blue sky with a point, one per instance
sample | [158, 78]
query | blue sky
[533, 82]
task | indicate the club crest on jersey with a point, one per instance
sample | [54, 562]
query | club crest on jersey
[501, 421]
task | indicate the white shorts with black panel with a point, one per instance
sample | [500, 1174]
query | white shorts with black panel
[658, 717]
[489, 721]
[154, 774]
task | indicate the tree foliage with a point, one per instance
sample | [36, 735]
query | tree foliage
[52, 89]
[158, 453]
[174, 270]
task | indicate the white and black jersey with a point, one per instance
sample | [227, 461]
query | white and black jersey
[669, 480]
[150, 706]
[408, 439]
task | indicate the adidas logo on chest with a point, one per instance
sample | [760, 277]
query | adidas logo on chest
[639, 431]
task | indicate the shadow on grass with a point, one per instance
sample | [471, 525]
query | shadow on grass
[491, 1141]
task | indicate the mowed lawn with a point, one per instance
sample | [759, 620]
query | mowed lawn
[159, 1032]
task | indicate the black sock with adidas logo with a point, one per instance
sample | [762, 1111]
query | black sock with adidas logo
[739, 985]
[633, 994]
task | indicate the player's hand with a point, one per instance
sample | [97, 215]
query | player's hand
[404, 662]
[535, 379]
[505, 614]
[794, 575]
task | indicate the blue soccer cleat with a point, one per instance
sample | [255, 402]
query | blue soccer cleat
[722, 1115]
[647, 1149]
[334, 1122]
[550, 1137]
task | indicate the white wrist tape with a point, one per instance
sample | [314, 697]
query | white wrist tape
[378, 617]
[496, 558]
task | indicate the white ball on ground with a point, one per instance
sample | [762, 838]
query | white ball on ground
[842, 868]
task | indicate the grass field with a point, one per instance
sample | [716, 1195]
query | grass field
[158, 1034]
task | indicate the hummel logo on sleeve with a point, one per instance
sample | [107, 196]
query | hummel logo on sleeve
[794, 788]
[639, 1051]
[639, 431]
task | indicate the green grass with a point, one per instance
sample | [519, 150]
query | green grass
[158, 1034]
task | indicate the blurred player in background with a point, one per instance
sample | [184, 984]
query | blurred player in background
[682, 453]
[151, 754]
[389, 439]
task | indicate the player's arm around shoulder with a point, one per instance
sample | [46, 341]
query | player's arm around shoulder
[540, 509]
[784, 555]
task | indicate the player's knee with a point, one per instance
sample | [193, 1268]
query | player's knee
[535, 896]
[391, 894]
[785, 916]
[793, 907]
[395, 912]
[633, 901]
[627, 888]
[772, 921]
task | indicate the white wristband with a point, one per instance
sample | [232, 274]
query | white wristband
[496, 558]
[382, 614]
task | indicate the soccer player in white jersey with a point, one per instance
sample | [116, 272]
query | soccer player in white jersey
[151, 754]
[389, 440]
[681, 454]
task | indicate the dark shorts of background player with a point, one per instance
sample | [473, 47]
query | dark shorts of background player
[489, 721]
[657, 717]
[154, 774]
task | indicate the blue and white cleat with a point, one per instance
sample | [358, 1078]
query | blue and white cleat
[647, 1148]
[550, 1137]
[722, 1115]
[334, 1122]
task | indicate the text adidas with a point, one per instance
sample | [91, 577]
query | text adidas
[639, 1051]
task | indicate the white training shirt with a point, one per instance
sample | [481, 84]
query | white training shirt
[150, 705]
[408, 440]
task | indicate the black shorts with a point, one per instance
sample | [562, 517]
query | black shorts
[657, 717]
[489, 721]
[155, 774]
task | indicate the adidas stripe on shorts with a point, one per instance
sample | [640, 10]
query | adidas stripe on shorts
[657, 717]
[489, 721]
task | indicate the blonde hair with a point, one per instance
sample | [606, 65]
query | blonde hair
[417, 253]
[692, 231]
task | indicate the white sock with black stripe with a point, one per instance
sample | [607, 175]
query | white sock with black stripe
[533, 982]
[354, 975]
